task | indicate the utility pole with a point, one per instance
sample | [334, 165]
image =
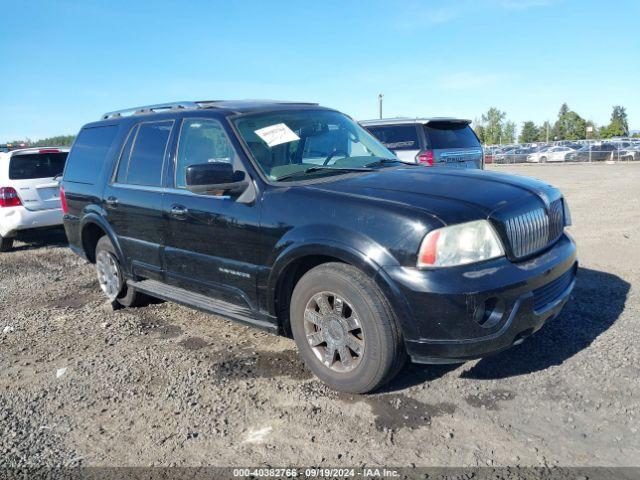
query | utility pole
[547, 132]
[380, 105]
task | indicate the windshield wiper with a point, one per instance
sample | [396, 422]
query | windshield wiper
[319, 169]
[385, 161]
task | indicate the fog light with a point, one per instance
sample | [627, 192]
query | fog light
[489, 312]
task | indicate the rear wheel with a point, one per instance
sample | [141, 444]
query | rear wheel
[345, 330]
[111, 278]
[543, 159]
[5, 244]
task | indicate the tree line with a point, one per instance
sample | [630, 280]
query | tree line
[493, 127]
[57, 141]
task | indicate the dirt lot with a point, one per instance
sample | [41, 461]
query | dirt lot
[165, 385]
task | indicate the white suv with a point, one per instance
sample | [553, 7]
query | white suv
[29, 191]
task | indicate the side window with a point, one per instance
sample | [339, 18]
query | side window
[89, 153]
[201, 141]
[123, 165]
[144, 164]
[396, 137]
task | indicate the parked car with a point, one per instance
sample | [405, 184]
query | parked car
[592, 153]
[443, 142]
[490, 153]
[570, 144]
[551, 154]
[225, 207]
[513, 155]
[630, 153]
[29, 193]
[502, 156]
[7, 147]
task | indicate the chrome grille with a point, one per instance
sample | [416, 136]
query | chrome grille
[534, 230]
[556, 219]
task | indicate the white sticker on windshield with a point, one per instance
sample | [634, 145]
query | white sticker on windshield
[277, 134]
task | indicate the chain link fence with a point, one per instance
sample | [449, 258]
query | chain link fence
[610, 150]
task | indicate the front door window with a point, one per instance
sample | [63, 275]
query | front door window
[201, 141]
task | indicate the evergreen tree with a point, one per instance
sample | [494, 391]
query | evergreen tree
[619, 124]
[569, 126]
[529, 133]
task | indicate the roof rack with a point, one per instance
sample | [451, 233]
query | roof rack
[158, 107]
[230, 104]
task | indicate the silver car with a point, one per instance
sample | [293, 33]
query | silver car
[439, 141]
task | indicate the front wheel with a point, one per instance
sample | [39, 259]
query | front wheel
[111, 278]
[344, 329]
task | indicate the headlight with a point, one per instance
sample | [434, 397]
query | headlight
[567, 213]
[460, 244]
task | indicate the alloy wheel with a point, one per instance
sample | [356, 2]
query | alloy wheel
[334, 332]
[109, 275]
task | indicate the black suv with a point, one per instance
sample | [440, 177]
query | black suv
[292, 218]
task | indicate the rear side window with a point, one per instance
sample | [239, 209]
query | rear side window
[450, 135]
[36, 165]
[396, 137]
[88, 153]
[142, 164]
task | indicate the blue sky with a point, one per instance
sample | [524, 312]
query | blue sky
[66, 62]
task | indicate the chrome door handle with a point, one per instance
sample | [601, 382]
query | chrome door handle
[112, 202]
[178, 211]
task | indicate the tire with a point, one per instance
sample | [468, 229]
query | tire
[126, 296]
[366, 322]
[543, 159]
[6, 244]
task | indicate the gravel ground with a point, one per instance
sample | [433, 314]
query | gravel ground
[166, 385]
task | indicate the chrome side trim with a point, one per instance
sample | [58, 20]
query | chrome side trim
[176, 191]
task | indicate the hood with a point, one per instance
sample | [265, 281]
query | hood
[452, 195]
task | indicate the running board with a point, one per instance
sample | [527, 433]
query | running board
[206, 304]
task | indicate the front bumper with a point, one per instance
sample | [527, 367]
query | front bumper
[13, 219]
[461, 313]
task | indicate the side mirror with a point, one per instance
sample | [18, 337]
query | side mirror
[209, 178]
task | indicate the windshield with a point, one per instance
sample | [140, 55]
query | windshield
[303, 144]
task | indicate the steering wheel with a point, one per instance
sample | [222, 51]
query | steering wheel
[333, 154]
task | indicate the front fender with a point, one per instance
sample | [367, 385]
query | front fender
[349, 247]
[331, 235]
